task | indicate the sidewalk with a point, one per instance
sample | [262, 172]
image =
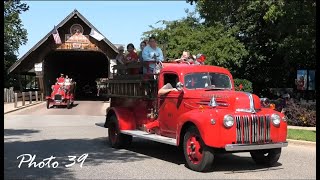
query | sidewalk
[9, 107]
[301, 142]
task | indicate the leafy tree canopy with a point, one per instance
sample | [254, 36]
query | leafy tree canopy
[14, 34]
[187, 34]
[279, 35]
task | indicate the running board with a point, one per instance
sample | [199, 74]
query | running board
[152, 137]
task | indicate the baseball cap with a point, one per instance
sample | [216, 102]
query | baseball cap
[120, 48]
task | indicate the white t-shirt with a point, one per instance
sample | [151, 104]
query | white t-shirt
[167, 86]
[67, 81]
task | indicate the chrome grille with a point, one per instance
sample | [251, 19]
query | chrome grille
[253, 129]
[57, 97]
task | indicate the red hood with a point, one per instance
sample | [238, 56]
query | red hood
[57, 90]
[231, 99]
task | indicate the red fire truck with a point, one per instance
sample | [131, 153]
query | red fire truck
[61, 95]
[204, 117]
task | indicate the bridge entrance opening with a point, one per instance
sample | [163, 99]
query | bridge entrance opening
[84, 67]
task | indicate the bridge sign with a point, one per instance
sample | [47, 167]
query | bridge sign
[38, 67]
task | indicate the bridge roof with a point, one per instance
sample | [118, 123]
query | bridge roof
[72, 15]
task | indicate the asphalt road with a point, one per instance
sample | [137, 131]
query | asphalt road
[72, 132]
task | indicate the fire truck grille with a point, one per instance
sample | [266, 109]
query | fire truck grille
[253, 129]
[58, 97]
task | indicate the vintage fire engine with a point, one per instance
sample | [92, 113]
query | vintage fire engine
[204, 117]
[62, 95]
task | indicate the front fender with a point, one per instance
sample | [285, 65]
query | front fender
[125, 118]
[199, 118]
[213, 135]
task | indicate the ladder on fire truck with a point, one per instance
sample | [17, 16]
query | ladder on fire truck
[144, 86]
[127, 85]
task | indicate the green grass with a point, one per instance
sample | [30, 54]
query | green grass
[304, 135]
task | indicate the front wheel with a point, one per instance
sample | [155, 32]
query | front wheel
[48, 104]
[116, 139]
[199, 157]
[68, 104]
[267, 157]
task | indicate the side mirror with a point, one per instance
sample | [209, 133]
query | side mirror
[265, 102]
[179, 86]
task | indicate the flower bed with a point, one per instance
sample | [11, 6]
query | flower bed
[301, 114]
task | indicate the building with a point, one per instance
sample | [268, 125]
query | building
[74, 47]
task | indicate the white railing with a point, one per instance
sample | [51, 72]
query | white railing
[13, 97]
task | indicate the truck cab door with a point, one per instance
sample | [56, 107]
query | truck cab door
[169, 105]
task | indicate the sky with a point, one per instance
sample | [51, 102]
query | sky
[121, 22]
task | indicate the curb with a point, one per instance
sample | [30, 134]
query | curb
[303, 143]
[22, 107]
[302, 128]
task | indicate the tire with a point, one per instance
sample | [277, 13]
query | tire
[48, 104]
[68, 104]
[268, 157]
[116, 139]
[193, 143]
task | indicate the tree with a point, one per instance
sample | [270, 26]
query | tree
[278, 34]
[216, 42]
[14, 35]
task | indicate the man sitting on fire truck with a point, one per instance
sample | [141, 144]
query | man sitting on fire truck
[67, 83]
[67, 80]
[186, 58]
[61, 79]
[166, 89]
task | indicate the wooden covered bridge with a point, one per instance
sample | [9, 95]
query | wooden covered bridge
[74, 47]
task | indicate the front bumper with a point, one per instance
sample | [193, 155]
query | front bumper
[246, 147]
[58, 102]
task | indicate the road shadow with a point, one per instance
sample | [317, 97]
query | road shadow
[75, 105]
[157, 150]
[238, 164]
[13, 134]
[98, 150]
[222, 162]
[18, 132]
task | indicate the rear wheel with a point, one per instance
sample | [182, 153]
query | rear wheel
[268, 157]
[199, 157]
[116, 139]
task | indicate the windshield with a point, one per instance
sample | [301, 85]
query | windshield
[207, 80]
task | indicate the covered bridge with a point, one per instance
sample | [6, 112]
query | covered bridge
[74, 47]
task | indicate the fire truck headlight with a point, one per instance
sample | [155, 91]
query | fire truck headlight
[228, 121]
[275, 118]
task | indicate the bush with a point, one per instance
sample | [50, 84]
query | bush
[300, 115]
[246, 85]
